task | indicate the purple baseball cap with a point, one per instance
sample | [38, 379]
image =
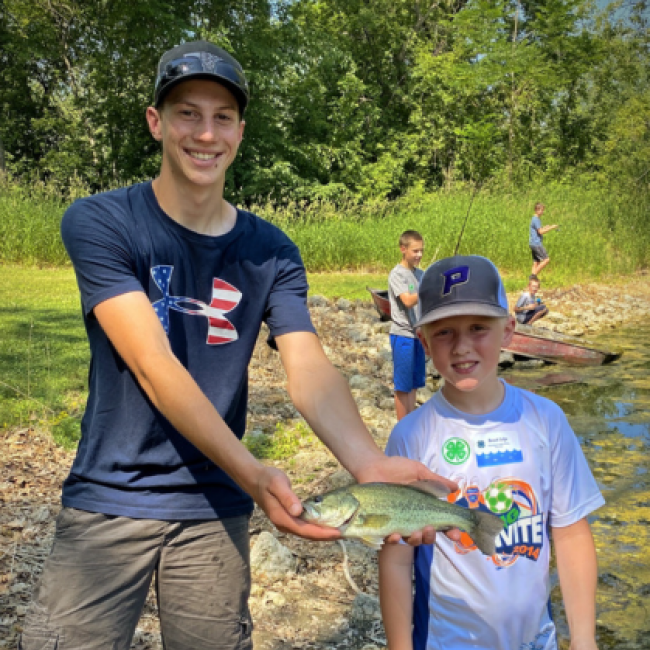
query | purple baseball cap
[463, 285]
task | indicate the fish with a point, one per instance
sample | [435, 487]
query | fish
[370, 512]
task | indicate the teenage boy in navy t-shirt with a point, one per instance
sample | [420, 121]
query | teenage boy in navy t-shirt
[175, 283]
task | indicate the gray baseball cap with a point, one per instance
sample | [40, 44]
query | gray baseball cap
[200, 60]
[463, 285]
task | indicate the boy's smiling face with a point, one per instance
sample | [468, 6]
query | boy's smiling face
[412, 253]
[465, 350]
[200, 128]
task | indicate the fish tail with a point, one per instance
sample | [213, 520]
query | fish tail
[488, 527]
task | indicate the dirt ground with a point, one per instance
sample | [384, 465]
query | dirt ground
[316, 607]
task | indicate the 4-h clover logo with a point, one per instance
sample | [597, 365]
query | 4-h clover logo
[455, 451]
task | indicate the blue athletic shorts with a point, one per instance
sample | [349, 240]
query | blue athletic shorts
[408, 363]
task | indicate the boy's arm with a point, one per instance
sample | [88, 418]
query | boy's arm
[133, 328]
[578, 571]
[409, 299]
[524, 306]
[396, 595]
[544, 229]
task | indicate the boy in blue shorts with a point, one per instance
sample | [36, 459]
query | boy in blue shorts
[511, 453]
[408, 354]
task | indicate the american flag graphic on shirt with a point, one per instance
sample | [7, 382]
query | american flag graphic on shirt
[225, 298]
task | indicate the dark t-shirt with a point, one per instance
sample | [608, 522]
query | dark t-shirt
[211, 295]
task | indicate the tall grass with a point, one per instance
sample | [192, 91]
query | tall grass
[603, 232]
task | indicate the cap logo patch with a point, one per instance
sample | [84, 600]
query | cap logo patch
[453, 277]
[209, 61]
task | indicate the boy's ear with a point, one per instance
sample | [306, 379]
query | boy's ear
[509, 331]
[154, 122]
[423, 340]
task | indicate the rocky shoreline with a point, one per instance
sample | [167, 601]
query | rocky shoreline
[305, 595]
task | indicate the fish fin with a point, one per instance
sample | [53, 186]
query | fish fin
[484, 535]
[372, 521]
[437, 488]
[374, 542]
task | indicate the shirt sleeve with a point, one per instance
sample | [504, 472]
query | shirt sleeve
[101, 254]
[536, 223]
[287, 310]
[398, 283]
[524, 300]
[575, 493]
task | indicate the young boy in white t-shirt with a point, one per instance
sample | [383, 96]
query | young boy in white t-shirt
[510, 452]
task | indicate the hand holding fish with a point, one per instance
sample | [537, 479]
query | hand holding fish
[274, 495]
[398, 469]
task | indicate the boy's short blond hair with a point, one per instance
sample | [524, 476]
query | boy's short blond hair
[408, 236]
[538, 206]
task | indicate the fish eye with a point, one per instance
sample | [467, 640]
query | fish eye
[318, 499]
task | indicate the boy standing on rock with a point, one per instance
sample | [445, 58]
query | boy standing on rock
[175, 283]
[408, 353]
[512, 453]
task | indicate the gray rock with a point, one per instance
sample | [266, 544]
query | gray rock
[357, 336]
[382, 326]
[340, 478]
[317, 301]
[361, 382]
[365, 609]
[506, 359]
[530, 363]
[270, 560]
[343, 304]
[387, 404]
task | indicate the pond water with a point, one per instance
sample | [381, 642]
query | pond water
[609, 409]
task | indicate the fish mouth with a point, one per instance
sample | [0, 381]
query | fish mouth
[312, 515]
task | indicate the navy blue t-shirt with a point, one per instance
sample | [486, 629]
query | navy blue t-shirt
[211, 295]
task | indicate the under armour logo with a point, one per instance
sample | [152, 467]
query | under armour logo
[225, 298]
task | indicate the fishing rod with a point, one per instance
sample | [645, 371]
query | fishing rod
[476, 191]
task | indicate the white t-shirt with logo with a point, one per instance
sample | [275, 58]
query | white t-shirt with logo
[524, 463]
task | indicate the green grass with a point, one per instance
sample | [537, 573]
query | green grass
[602, 234]
[604, 231]
[43, 351]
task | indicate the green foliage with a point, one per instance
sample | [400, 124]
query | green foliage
[282, 444]
[29, 224]
[351, 101]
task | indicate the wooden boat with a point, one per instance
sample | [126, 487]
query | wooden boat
[532, 342]
[540, 343]
[381, 302]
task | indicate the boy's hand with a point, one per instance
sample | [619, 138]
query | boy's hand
[273, 494]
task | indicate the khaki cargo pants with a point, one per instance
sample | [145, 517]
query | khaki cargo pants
[95, 583]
